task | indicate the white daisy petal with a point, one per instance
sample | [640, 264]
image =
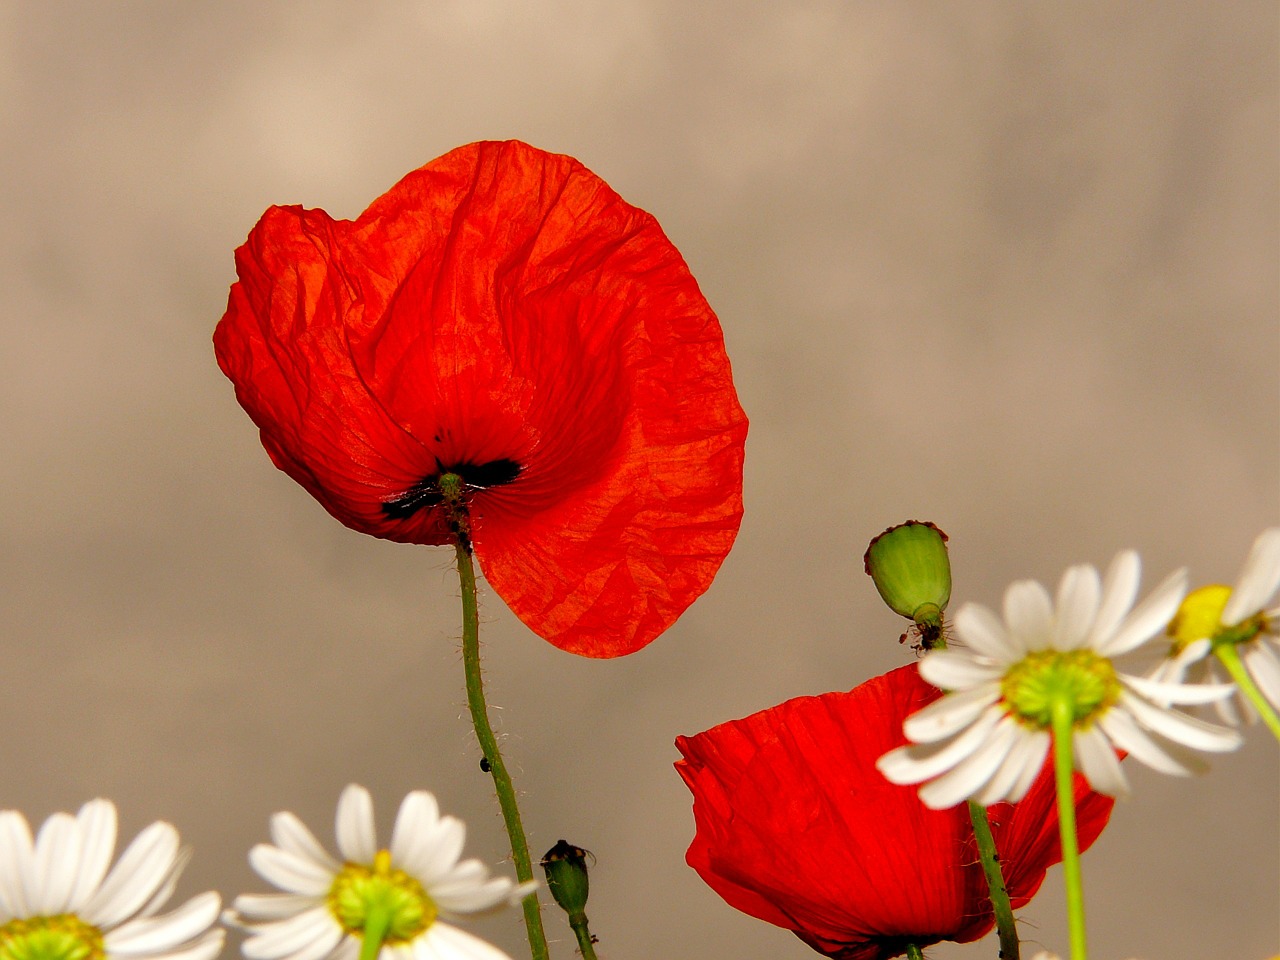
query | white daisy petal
[321, 947]
[290, 873]
[969, 776]
[1119, 590]
[156, 934]
[957, 669]
[1028, 612]
[1096, 759]
[97, 843]
[447, 845]
[445, 942]
[1264, 667]
[1033, 763]
[1146, 620]
[348, 948]
[1166, 693]
[1129, 737]
[1010, 772]
[982, 630]
[1258, 580]
[947, 716]
[473, 898]
[1179, 727]
[17, 870]
[205, 948]
[1079, 595]
[357, 841]
[279, 938]
[57, 855]
[166, 888]
[272, 906]
[915, 764]
[416, 825]
[291, 835]
[140, 871]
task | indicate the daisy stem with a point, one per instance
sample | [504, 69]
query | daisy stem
[995, 881]
[376, 923]
[1230, 658]
[1063, 768]
[493, 757]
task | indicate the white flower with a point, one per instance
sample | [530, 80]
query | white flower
[59, 902]
[418, 883]
[1245, 618]
[987, 739]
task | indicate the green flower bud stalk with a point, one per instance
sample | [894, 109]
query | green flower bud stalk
[566, 869]
[912, 572]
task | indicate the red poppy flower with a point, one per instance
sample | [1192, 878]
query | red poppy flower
[503, 316]
[797, 827]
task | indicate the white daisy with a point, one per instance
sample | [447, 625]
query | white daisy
[988, 737]
[1219, 619]
[414, 886]
[59, 902]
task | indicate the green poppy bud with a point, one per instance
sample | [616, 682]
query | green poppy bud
[566, 867]
[912, 572]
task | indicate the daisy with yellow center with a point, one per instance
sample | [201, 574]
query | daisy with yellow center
[392, 903]
[58, 901]
[1045, 677]
[1238, 627]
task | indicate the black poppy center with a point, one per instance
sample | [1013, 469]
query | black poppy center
[428, 491]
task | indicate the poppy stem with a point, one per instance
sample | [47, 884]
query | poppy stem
[489, 748]
[1000, 906]
[913, 952]
[1230, 657]
[1063, 714]
[586, 942]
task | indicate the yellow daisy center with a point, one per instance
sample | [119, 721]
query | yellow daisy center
[1200, 617]
[61, 937]
[360, 890]
[1081, 677]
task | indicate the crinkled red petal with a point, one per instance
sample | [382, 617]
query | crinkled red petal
[797, 827]
[503, 303]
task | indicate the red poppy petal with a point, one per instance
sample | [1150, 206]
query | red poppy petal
[503, 305]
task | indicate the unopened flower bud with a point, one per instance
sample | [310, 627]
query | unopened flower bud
[566, 867]
[912, 573]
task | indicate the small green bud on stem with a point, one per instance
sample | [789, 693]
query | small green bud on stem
[912, 572]
[566, 868]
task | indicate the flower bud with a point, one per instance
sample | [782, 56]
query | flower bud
[566, 867]
[912, 572]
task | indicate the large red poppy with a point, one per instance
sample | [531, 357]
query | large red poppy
[797, 827]
[503, 316]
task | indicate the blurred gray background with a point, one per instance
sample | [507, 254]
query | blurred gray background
[1008, 267]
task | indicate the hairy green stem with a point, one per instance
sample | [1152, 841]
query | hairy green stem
[493, 757]
[586, 942]
[913, 952]
[1063, 766]
[995, 881]
[1230, 658]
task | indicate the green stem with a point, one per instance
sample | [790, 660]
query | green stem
[586, 942]
[489, 747]
[995, 881]
[913, 952]
[1230, 658]
[376, 922]
[1063, 720]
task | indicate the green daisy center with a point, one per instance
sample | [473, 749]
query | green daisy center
[61, 937]
[1082, 678]
[359, 891]
[1200, 617]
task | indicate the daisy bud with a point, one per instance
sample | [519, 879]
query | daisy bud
[912, 572]
[566, 867]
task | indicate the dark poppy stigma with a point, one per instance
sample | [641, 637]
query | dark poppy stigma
[427, 493]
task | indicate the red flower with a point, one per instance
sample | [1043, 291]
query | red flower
[797, 827]
[503, 316]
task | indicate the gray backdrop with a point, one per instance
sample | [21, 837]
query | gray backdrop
[1009, 267]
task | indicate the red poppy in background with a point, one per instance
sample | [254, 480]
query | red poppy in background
[797, 827]
[503, 316]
